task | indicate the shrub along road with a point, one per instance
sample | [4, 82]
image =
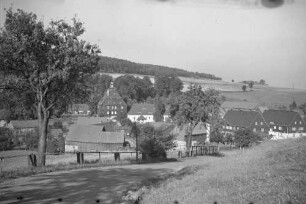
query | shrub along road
[104, 184]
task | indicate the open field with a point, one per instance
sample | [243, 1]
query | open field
[233, 92]
[273, 172]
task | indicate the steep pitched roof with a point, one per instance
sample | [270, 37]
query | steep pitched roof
[241, 118]
[181, 132]
[111, 96]
[93, 134]
[282, 117]
[142, 109]
[239, 105]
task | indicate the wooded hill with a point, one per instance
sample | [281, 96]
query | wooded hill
[114, 65]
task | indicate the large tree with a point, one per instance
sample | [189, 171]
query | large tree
[50, 63]
[193, 107]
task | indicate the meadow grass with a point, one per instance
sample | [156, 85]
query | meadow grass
[273, 172]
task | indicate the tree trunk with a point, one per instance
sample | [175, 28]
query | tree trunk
[136, 136]
[189, 139]
[43, 120]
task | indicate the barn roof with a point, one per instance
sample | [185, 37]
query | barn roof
[93, 134]
[282, 117]
[181, 131]
[241, 118]
[142, 109]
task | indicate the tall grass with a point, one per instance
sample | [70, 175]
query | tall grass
[273, 172]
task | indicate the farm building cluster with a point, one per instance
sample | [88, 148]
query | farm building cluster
[104, 133]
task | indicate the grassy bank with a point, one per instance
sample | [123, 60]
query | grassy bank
[273, 172]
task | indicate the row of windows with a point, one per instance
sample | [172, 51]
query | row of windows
[111, 112]
[293, 128]
[261, 129]
[256, 123]
[113, 107]
[298, 122]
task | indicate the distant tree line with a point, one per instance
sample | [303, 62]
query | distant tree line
[114, 65]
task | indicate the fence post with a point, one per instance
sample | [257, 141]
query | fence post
[32, 161]
[99, 156]
[80, 158]
[117, 156]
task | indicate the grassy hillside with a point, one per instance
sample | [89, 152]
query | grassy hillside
[273, 172]
[114, 65]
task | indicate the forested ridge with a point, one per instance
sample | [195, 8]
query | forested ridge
[114, 65]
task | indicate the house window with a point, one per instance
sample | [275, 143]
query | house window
[107, 113]
[115, 107]
[254, 130]
[262, 129]
[255, 123]
[261, 123]
[274, 127]
[115, 112]
[107, 107]
[293, 128]
[271, 122]
[112, 112]
[280, 128]
[301, 128]
[300, 122]
[121, 107]
[295, 122]
[237, 128]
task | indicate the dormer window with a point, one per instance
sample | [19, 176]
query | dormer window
[255, 123]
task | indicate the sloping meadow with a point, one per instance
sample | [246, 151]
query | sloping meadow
[272, 172]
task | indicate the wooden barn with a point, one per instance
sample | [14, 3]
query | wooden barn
[93, 138]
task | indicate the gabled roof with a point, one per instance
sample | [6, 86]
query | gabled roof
[141, 118]
[142, 109]
[93, 134]
[239, 105]
[90, 120]
[282, 117]
[181, 131]
[241, 118]
[111, 96]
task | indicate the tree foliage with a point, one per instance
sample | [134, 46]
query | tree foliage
[113, 65]
[51, 64]
[166, 84]
[293, 105]
[251, 84]
[159, 110]
[5, 115]
[244, 87]
[245, 138]
[194, 106]
[154, 142]
[6, 139]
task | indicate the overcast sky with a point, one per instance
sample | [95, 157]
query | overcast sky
[233, 39]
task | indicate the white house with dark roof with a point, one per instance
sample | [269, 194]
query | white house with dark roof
[243, 105]
[285, 124]
[141, 113]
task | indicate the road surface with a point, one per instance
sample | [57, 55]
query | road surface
[95, 185]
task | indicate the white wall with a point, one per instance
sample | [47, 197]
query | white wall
[133, 118]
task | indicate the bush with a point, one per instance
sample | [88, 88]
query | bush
[6, 139]
[245, 138]
[154, 142]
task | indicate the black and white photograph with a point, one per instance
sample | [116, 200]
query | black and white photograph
[153, 101]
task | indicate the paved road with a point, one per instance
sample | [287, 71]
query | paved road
[103, 185]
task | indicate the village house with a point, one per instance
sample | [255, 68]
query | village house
[285, 124]
[244, 105]
[141, 113]
[92, 138]
[79, 109]
[200, 135]
[248, 119]
[112, 105]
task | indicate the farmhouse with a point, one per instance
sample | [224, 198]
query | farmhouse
[79, 109]
[244, 105]
[285, 124]
[112, 105]
[200, 134]
[249, 119]
[93, 138]
[142, 113]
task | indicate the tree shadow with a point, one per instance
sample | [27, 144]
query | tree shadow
[102, 185]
